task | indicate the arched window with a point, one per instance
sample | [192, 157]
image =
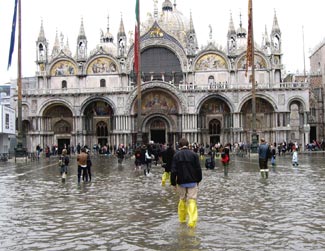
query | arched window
[101, 129]
[62, 126]
[64, 84]
[214, 127]
[211, 80]
[102, 83]
[167, 68]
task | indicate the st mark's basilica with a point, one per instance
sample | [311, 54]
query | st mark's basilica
[89, 95]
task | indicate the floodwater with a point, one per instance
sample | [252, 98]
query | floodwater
[121, 209]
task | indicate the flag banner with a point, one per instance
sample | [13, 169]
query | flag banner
[249, 52]
[136, 38]
[13, 32]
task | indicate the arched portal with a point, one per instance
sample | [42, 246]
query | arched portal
[58, 119]
[296, 121]
[157, 130]
[215, 121]
[263, 112]
[160, 111]
[98, 122]
[265, 119]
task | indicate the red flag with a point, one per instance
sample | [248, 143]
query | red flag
[136, 38]
[249, 52]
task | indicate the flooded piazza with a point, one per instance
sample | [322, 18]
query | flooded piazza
[121, 209]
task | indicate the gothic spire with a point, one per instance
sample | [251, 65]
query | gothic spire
[231, 28]
[82, 34]
[266, 37]
[41, 36]
[121, 31]
[191, 23]
[56, 46]
[275, 27]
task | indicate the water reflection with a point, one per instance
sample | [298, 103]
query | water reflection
[121, 209]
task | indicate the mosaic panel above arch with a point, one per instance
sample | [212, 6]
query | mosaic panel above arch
[63, 68]
[262, 106]
[57, 110]
[157, 102]
[98, 108]
[102, 65]
[214, 106]
[211, 61]
[260, 63]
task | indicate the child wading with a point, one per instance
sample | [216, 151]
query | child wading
[225, 160]
[63, 164]
[209, 161]
[137, 161]
[294, 157]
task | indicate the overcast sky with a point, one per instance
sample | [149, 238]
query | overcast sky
[65, 16]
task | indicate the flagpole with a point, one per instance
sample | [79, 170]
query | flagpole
[252, 78]
[20, 150]
[19, 77]
[137, 57]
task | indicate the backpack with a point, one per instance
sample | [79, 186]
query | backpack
[66, 160]
[209, 163]
[60, 162]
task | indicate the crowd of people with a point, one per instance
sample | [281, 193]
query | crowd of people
[181, 165]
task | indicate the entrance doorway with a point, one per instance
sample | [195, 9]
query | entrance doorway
[214, 140]
[312, 135]
[158, 136]
[102, 141]
[63, 143]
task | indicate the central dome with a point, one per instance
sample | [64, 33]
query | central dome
[171, 21]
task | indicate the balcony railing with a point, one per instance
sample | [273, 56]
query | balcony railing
[226, 86]
[181, 87]
[77, 90]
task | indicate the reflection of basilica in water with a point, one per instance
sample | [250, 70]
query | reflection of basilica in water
[202, 94]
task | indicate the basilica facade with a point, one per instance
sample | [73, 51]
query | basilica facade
[204, 94]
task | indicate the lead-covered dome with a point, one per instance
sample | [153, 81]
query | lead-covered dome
[173, 21]
[170, 20]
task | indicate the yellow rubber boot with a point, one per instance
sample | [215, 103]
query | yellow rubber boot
[168, 177]
[182, 211]
[164, 178]
[192, 213]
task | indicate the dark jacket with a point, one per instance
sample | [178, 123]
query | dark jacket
[167, 158]
[120, 152]
[263, 151]
[186, 167]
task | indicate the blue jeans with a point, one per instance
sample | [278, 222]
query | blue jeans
[84, 172]
[64, 169]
